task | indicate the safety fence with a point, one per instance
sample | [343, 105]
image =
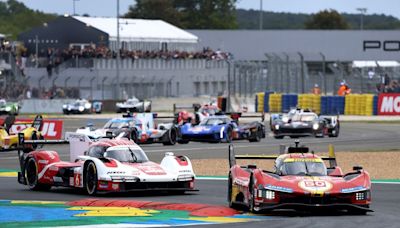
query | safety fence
[353, 104]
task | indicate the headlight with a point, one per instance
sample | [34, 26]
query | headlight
[361, 195]
[315, 126]
[285, 119]
[81, 108]
[267, 194]
[277, 127]
[8, 109]
[65, 106]
[88, 105]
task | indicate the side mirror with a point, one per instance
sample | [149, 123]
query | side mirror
[357, 168]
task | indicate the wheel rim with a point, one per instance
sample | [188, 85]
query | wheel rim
[31, 173]
[91, 178]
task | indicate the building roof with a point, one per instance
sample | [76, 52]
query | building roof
[139, 30]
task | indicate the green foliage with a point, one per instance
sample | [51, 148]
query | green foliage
[327, 19]
[249, 19]
[15, 18]
[188, 14]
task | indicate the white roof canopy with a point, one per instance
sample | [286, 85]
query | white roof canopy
[361, 64]
[139, 30]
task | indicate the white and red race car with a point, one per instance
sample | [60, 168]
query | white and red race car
[107, 165]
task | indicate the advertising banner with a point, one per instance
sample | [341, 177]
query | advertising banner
[51, 129]
[389, 104]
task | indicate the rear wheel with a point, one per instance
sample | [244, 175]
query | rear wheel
[229, 135]
[31, 177]
[134, 136]
[335, 132]
[90, 181]
[171, 137]
[256, 136]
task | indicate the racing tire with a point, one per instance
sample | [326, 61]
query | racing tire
[256, 137]
[335, 132]
[229, 135]
[90, 178]
[31, 176]
[134, 136]
[171, 137]
[278, 137]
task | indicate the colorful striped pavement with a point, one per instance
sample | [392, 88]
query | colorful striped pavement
[116, 213]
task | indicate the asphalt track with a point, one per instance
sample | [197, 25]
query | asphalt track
[353, 137]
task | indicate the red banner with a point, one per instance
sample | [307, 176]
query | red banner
[389, 104]
[51, 129]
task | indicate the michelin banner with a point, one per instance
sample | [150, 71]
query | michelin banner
[389, 104]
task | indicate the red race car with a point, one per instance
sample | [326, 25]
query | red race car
[106, 165]
[300, 181]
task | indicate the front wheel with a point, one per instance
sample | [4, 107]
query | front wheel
[171, 137]
[90, 181]
[32, 176]
[335, 132]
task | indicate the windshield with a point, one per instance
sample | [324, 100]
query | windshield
[127, 155]
[213, 121]
[303, 117]
[303, 166]
[116, 124]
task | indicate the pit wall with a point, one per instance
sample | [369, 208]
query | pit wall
[353, 104]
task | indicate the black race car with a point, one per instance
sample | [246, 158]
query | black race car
[304, 123]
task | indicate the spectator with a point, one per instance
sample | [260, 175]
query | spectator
[316, 90]
[344, 89]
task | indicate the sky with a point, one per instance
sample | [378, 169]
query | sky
[107, 8]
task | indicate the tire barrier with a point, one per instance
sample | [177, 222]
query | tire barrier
[275, 102]
[353, 104]
[289, 101]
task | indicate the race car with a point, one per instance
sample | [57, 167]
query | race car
[81, 106]
[107, 165]
[140, 127]
[300, 123]
[221, 128]
[300, 181]
[126, 126]
[133, 105]
[10, 108]
[194, 113]
[9, 141]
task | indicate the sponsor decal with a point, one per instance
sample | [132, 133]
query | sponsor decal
[389, 104]
[279, 188]
[315, 185]
[353, 189]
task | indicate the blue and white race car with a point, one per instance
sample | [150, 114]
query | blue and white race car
[221, 128]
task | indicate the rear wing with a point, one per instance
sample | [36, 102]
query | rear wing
[283, 149]
[79, 143]
[177, 107]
